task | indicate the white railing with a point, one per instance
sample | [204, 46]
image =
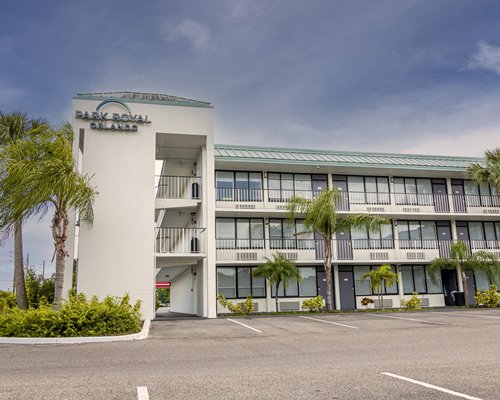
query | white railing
[180, 240]
[178, 187]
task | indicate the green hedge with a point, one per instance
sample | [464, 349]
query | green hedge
[77, 317]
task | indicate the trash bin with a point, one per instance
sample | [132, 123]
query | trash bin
[459, 298]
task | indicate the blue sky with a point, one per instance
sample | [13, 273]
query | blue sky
[398, 76]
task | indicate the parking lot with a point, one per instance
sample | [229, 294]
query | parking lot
[426, 355]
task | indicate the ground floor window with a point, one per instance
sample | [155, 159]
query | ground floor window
[417, 279]
[482, 282]
[307, 287]
[362, 288]
[238, 282]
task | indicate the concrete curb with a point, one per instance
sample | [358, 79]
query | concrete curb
[143, 334]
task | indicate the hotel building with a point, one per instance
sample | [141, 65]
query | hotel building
[175, 207]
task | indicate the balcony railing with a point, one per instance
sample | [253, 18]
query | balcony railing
[361, 201]
[180, 240]
[178, 187]
[307, 250]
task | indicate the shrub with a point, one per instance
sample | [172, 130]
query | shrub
[489, 298]
[244, 308]
[7, 300]
[413, 303]
[37, 287]
[77, 317]
[314, 304]
[366, 300]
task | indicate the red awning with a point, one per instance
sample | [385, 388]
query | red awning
[162, 284]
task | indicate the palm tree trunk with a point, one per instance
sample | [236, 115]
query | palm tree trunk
[20, 287]
[381, 299]
[276, 296]
[328, 273]
[464, 284]
[59, 234]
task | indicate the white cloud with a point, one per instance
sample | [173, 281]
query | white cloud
[486, 57]
[188, 29]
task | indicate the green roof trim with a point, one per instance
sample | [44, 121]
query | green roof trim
[226, 152]
[147, 98]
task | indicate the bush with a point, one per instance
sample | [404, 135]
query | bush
[489, 298]
[244, 308]
[7, 301]
[77, 317]
[366, 300]
[38, 287]
[413, 303]
[314, 304]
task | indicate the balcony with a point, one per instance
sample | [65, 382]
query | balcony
[355, 250]
[177, 191]
[370, 202]
[176, 241]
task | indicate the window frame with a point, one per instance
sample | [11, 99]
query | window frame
[298, 295]
[236, 240]
[372, 267]
[366, 193]
[253, 195]
[426, 275]
[237, 289]
[294, 191]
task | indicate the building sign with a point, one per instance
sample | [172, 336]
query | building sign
[106, 121]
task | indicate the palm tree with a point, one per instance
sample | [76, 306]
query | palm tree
[490, 172]
[462, 260]
[321, 217]
[276, 270]
[380, 278]
[41, 176]
[17, 126]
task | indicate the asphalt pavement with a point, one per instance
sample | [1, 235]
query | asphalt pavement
[424, 355]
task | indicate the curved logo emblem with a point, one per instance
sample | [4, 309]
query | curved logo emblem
[113, 101]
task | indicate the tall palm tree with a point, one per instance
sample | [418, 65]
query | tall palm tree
[379, 278]
[489, 172]
[462, 260]
[321, 217]
[17, 126]
[276, 270]
[41, 176]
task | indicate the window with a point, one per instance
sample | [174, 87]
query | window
[305, 288]
[285, 235]
[282, 187]
[368, 190]
[379, 239]
[238, 282]
[416, 279]
[413, 191]
[238, 186]
[481, 235]
[417, 234]
[239, 233]
[363, 288]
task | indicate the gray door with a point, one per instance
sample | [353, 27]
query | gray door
[319, 246]
[471, 287]
[444, 240]
[321, 282]
[344, 245]
[449, 279]
[440, 197]
[458, 194]
[341, 186]
[346, 285]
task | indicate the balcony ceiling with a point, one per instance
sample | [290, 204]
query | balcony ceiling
[178, 147]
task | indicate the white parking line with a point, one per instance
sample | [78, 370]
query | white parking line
[460, 313]
[142, 393]
[330, 322]
[428, 385]
[242, 324]
[408, 319]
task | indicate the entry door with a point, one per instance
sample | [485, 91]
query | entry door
[344, 245]
[471, 287]
[319, 246]
[340, 184]
[321, 282]
[463, 233]
[458, 194]
[346, 285]
[440, 196]
[444, 240]
[319, 183]
[449, 278]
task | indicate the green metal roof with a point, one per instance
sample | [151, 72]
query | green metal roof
[149, 98]
[224, 152]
